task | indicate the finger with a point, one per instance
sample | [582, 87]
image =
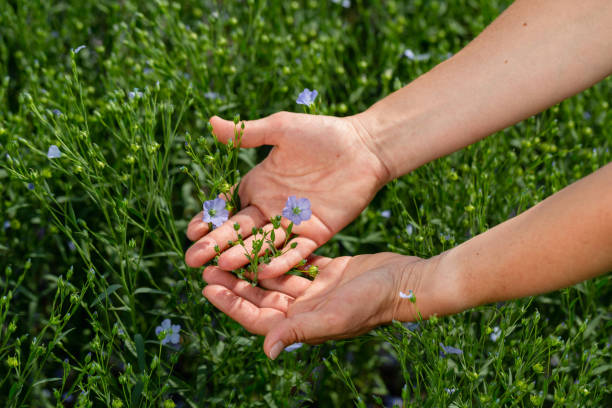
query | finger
[291, 285]
[256, 320]
[318, 261]
[204, 250]
[197, 228]
[282, 264]
[257, 132]
[235, 257]
[309, 327]
[259, 297]
[314, 228]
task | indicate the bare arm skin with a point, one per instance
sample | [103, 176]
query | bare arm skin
[537, 53]
[562, 240]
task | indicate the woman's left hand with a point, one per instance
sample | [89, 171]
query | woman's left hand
[349, 296]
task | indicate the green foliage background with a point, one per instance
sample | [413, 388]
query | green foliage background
[91, 258]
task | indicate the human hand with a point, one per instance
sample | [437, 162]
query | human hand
[349, 296]
[326, 159]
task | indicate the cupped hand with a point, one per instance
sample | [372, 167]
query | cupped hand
[326, 159]
[349, 296]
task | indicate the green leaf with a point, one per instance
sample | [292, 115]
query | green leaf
[150, 290]
[105, 294]
[15, 389]
[137, 393]
[601, 369]
[46, 380]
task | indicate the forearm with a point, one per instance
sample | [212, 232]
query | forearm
[564, 239]
[534, 55]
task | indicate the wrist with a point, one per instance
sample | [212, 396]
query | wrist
[402, 131]
[362, 132]
[436, 286]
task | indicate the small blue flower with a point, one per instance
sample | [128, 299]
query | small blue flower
[293, 346]
[495, 334]
[411, 326]
[409, 54]
[416, 57]
[344, 3]
[30, 186]
[54, 152]
[307, 97]
[71, 246]
[449, 350]
[215, 212]
[409, 229]
[79, 48]
[450, 391]
[410, 295]
[135, 94]
[172, 332]
[297, 210]
[385, 213]
[6, 225]
[57, 112]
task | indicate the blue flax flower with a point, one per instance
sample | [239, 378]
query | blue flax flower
[297, 210]
[449, 350]
[215, 212]
[403, 295]
[54, 152]
[293, 347]
[135, 94]
[79, 48]
[307, 97]
[495, 334]
[172, 332]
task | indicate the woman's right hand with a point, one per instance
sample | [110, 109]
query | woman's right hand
[326, 159]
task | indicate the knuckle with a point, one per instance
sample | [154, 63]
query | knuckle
[296, 334]
[280, 119]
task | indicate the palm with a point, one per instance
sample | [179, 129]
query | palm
[330, 307]
[321, 158]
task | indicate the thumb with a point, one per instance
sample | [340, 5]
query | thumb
[304, 327]
[265, 131]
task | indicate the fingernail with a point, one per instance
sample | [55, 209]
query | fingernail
[276, 350]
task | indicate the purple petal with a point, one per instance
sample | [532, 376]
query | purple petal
[54, 152]
[305, 214]
[287, 213]
[450, 349]
[293, 346]
[79, 48]
[291, 201]
[218, 204]
[303, 203]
